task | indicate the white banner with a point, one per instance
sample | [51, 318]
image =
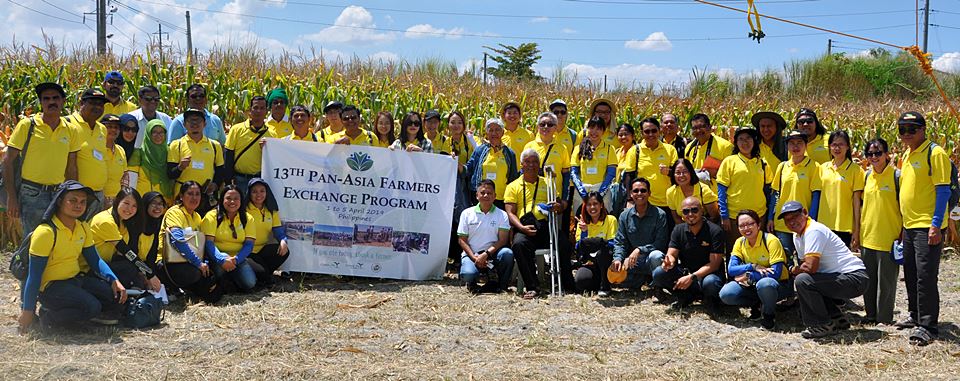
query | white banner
[362, 211]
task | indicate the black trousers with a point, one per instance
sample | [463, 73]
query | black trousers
[266, 261]
[189, 278]
[921, 269]
[127, 273]
[592, 275]
[524, 252]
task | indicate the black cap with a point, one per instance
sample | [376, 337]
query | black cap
[193, 111]
[789, 207]
[47, 86]
[332, 104]
[431, 114]
[777, 118]
[806, 112]
[795, 134]
[912, 118]
[110, 118]
[747, 130]
[93, 94]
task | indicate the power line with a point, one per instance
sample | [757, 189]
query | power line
[42, 13]
[945, 26]
[131, 24]
[61, 9]
[157, 19]
[677, 2]
[504, 15]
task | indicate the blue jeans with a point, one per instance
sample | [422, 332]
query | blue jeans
[767, 292]
[641, 272]
[502, 264]
[786, 240]
[708, 287]
[33, 202]
[72, 301]
[242, 276]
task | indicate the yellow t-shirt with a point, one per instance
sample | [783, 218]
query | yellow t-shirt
[177, 217]
[264, 222]
[558, 159]
[819, 150]
[675, 196]
[105, 234]
[918, 185]
[647, 163]
[594, 170]
[767, 154]
[795, 183]
[836, 198]
[383, 143]
[526, 195]
[760, 254]
[566, 137]
[366, 138]
[125, 107]
[494, 168]
[607, 229]
[880, 220]
[64, 260]
[91, 159]
[116, 166]
[516, 140]
[309, 137]
[144, 243]
[461, 147]
[744, 179]
[239, 137]
[228, 241]
[46, 158]
[205, 156]
[622, 161]
[441, 144]
[279, 127]
[717, 147]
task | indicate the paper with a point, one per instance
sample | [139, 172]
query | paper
[162, 294]
[196, 164]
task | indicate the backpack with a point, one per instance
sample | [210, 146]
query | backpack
[142, 312]
[954, 181]
[20, 260]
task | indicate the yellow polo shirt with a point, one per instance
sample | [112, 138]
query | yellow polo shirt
[622, 161]
[836, 198]
[64, 260]
[309, 137]
[647, 163]
[494, 168]
[461, 147]
[92, 157]
[565, 136]
[767, 154]
[125, 107]
[594, 170]
[526, 195]
[719, 149]
[608, 137]
[106, 233]
[366, 138]
[796, 183]
[744, 179]
[441, 144]
[606, 229]
[675, 196]
[205, 156]
[880, 220]
[819, 149]
[918, 185]
[223, 235]
[238, 138]
[760, 254]
[263, 223]
[279, 127]
[516, 140]
[45, 161]
[116, 165]
[558, 159]
[177, 217]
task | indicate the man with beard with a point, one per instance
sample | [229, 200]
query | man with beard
[113, 87]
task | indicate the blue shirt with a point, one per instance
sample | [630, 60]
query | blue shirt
[647, 232]
[213, 130]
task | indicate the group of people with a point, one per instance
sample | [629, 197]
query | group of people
[775, 215]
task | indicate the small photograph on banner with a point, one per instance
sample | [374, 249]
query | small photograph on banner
[411, 242]
[332, 236]
[299, 230]
[372, 235]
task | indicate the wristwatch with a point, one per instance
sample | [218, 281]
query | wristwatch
[695, 277]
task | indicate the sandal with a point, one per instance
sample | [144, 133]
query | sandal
[921, 337]
[530, 295]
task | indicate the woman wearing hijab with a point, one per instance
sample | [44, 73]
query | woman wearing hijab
[149, 162]
[54, 279]
[152, 207]
[128, 134]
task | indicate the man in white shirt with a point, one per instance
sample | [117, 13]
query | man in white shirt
[827, 271]
[483, 232]
[149, 101]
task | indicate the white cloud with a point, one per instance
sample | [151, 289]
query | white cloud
[471, 65]
[568, 31]
[540, 19]
[427, 30]
[384, 57]
[948, 62]
[656, 41]
[861, 54]
[793, 50]
[627, 74]
[353, 25]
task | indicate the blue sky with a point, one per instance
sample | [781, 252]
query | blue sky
[632, 41]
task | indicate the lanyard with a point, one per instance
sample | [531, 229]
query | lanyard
[535, 190]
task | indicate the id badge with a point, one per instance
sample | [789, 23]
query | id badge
[196, 164]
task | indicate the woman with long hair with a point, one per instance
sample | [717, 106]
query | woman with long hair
[230, 235]
[880, 226]
[116, 233]
[796, 179]
[185, 265]
[383, 128]
[596, 230]
[741, 182]
[685, 183]
[412, 138]
[842, 191]
[270, 246]
[593, 166]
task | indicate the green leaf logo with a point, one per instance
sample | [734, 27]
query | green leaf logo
[359, 161]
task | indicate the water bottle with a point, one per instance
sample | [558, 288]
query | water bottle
[897, 252]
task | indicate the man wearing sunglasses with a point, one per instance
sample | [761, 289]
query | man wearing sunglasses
[149, 103]
[243, 151]
[197, 100]
[925, 170]
[817, 148]
[641, 237]
[113, 87]
[693, 266]
[352, 134]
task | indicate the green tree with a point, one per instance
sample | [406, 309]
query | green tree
[515, 61]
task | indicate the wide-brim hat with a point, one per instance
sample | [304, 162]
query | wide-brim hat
[781, 123]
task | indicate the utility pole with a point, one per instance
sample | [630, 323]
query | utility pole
[829, 46]
[189, 41]
[484, 68]
[160, 33]
[604, 83]
[926, 23]
[101, 27]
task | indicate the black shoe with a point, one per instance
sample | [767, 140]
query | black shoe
[921, 337]
[841, 324]
[755, 313]
[681, 303]
[908, 322]
[767, 322]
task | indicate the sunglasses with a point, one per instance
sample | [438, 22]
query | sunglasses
[349, 118]
[415, 123]
[198, 96]
[560, 112]
[128, 128]
[546, 125]
[908, 130]
[641, 190]
[873, 153]
[688, 211]
[805, 121]
[650, 131]
[150, 99]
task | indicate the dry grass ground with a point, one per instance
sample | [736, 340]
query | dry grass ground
[378, 329]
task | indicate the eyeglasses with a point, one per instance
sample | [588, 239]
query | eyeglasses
[546, 124]
[559, 112]
[349, 118]
[198, 96]
[650, 131]
[150, 99]
[641, 190]
[114, 82]
[688, 211]
[805, 121]
[158, 204]
[873, 153]
[908, 130]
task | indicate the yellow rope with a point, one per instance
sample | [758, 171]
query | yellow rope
[756, 31]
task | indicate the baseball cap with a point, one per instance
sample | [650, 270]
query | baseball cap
[110, 118]
[795, 134]
[509, 104]
[789, 207]
[93, 94]
[431, 114]
[557, 102]
[48, 86]
[496, 121]
[332, 105]
[113, 75]
[193, 111]
[912, 118]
